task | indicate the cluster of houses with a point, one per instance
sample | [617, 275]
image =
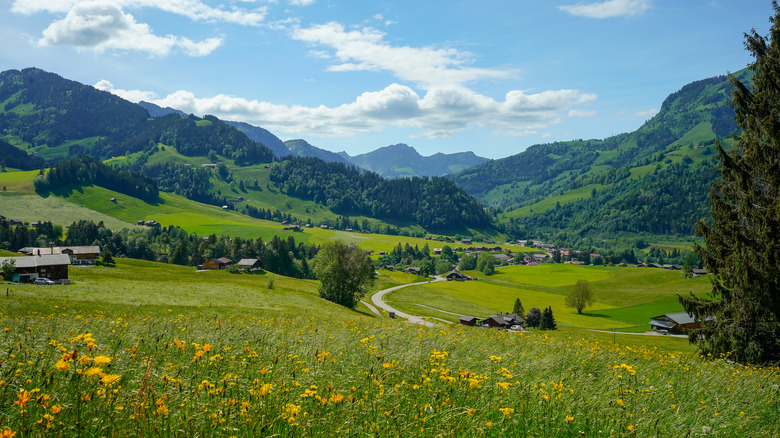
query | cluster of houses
[150, 223]
[506, 321]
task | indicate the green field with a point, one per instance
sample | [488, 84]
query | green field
[147, 349]
[625, 298]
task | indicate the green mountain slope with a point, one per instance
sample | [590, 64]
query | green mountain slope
[653, 180]
[401, 160]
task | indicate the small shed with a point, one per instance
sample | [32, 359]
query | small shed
[412, 270]
[220, 263]
[698, 272]
[468, 320]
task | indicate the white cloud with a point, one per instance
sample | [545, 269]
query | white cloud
[102, 25]
[194, 9]
[301, 2]
[581, 113]
[131, 95]
[440, 113]
[646, 114]
[365, 49]
[608, 9]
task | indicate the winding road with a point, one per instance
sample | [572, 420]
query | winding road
[379, 302]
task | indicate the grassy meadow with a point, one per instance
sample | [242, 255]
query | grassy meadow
[625, 298]
[145, 349]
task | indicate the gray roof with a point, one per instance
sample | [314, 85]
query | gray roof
[468, 318]
[60, 249]
[35, 261]
[662, 324]
[247, 262]
[679, 318]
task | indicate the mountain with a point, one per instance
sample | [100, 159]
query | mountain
[653, 180]
[401, 160]
[158, 111]
[262, 136]
[301, 148]
[45, 114]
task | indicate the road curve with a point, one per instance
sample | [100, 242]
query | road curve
[377, 300]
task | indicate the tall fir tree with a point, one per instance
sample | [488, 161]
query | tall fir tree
[742, 236]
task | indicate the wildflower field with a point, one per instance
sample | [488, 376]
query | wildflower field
[70, 370]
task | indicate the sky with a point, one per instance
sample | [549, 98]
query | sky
[492, 76]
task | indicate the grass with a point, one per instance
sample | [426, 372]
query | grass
[550, 202]
[625, 298]
[28, 208]
[94, 368]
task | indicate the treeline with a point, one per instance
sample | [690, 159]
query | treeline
[167, 245]
[188, 181]
[84, 170]
[14, 238]
[434, 203]
[11, 156]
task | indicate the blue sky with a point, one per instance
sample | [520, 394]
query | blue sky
[489, 76]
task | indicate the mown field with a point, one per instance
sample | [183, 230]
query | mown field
[145, 349]
[625, 298]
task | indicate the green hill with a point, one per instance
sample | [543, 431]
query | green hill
[654, 180]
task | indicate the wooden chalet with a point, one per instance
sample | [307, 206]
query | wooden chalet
[674, 322]
[295, 228]
[78, 255]
[457, 276]
[470, 321]
[28, 268]
[698, 272]
[413, 270]
[220, 263]
[249, 264]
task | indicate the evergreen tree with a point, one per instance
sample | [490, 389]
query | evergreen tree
[533, 318]
[548, 320]
[518, 309]
[107, 257]
[742, 238]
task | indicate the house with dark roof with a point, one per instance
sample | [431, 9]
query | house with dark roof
[457, 276]
[53, 267]
[698, 272]
[220, 263]
[413, 270]
[675, 322]
[249, 264]
[468, 320]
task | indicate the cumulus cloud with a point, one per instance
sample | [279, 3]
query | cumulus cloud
[301, 2]
[366, 49]
[608, 9]
[439, 113]
[194, 9]
[646, 114]
[131, 95]
[101, 26]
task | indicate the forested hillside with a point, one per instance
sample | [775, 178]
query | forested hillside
[434, 203]
[653, 180]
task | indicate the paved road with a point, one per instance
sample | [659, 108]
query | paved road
[371, 307]
[377, 300]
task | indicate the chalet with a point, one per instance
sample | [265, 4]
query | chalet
[504, 258]
[140, 222]
[152, 223]
[389, 267]
[225, 207]
[220, 263]
[324, 226]
[412, 270]
[307, 226]
[349, 230]
[673, 267]
[470, 321]
[78, 255]
[15, 222]
[113, 200]
[457, 276]
[285, 222]
[382, 253]
[295, 228]
[53, 267]
[493, 321]
[209, 166]
[249, 264]
[496, 249]
[675, 322]
[436, 251]
[698, 272]
[522, 242]
[466, 241]
[36, 224]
